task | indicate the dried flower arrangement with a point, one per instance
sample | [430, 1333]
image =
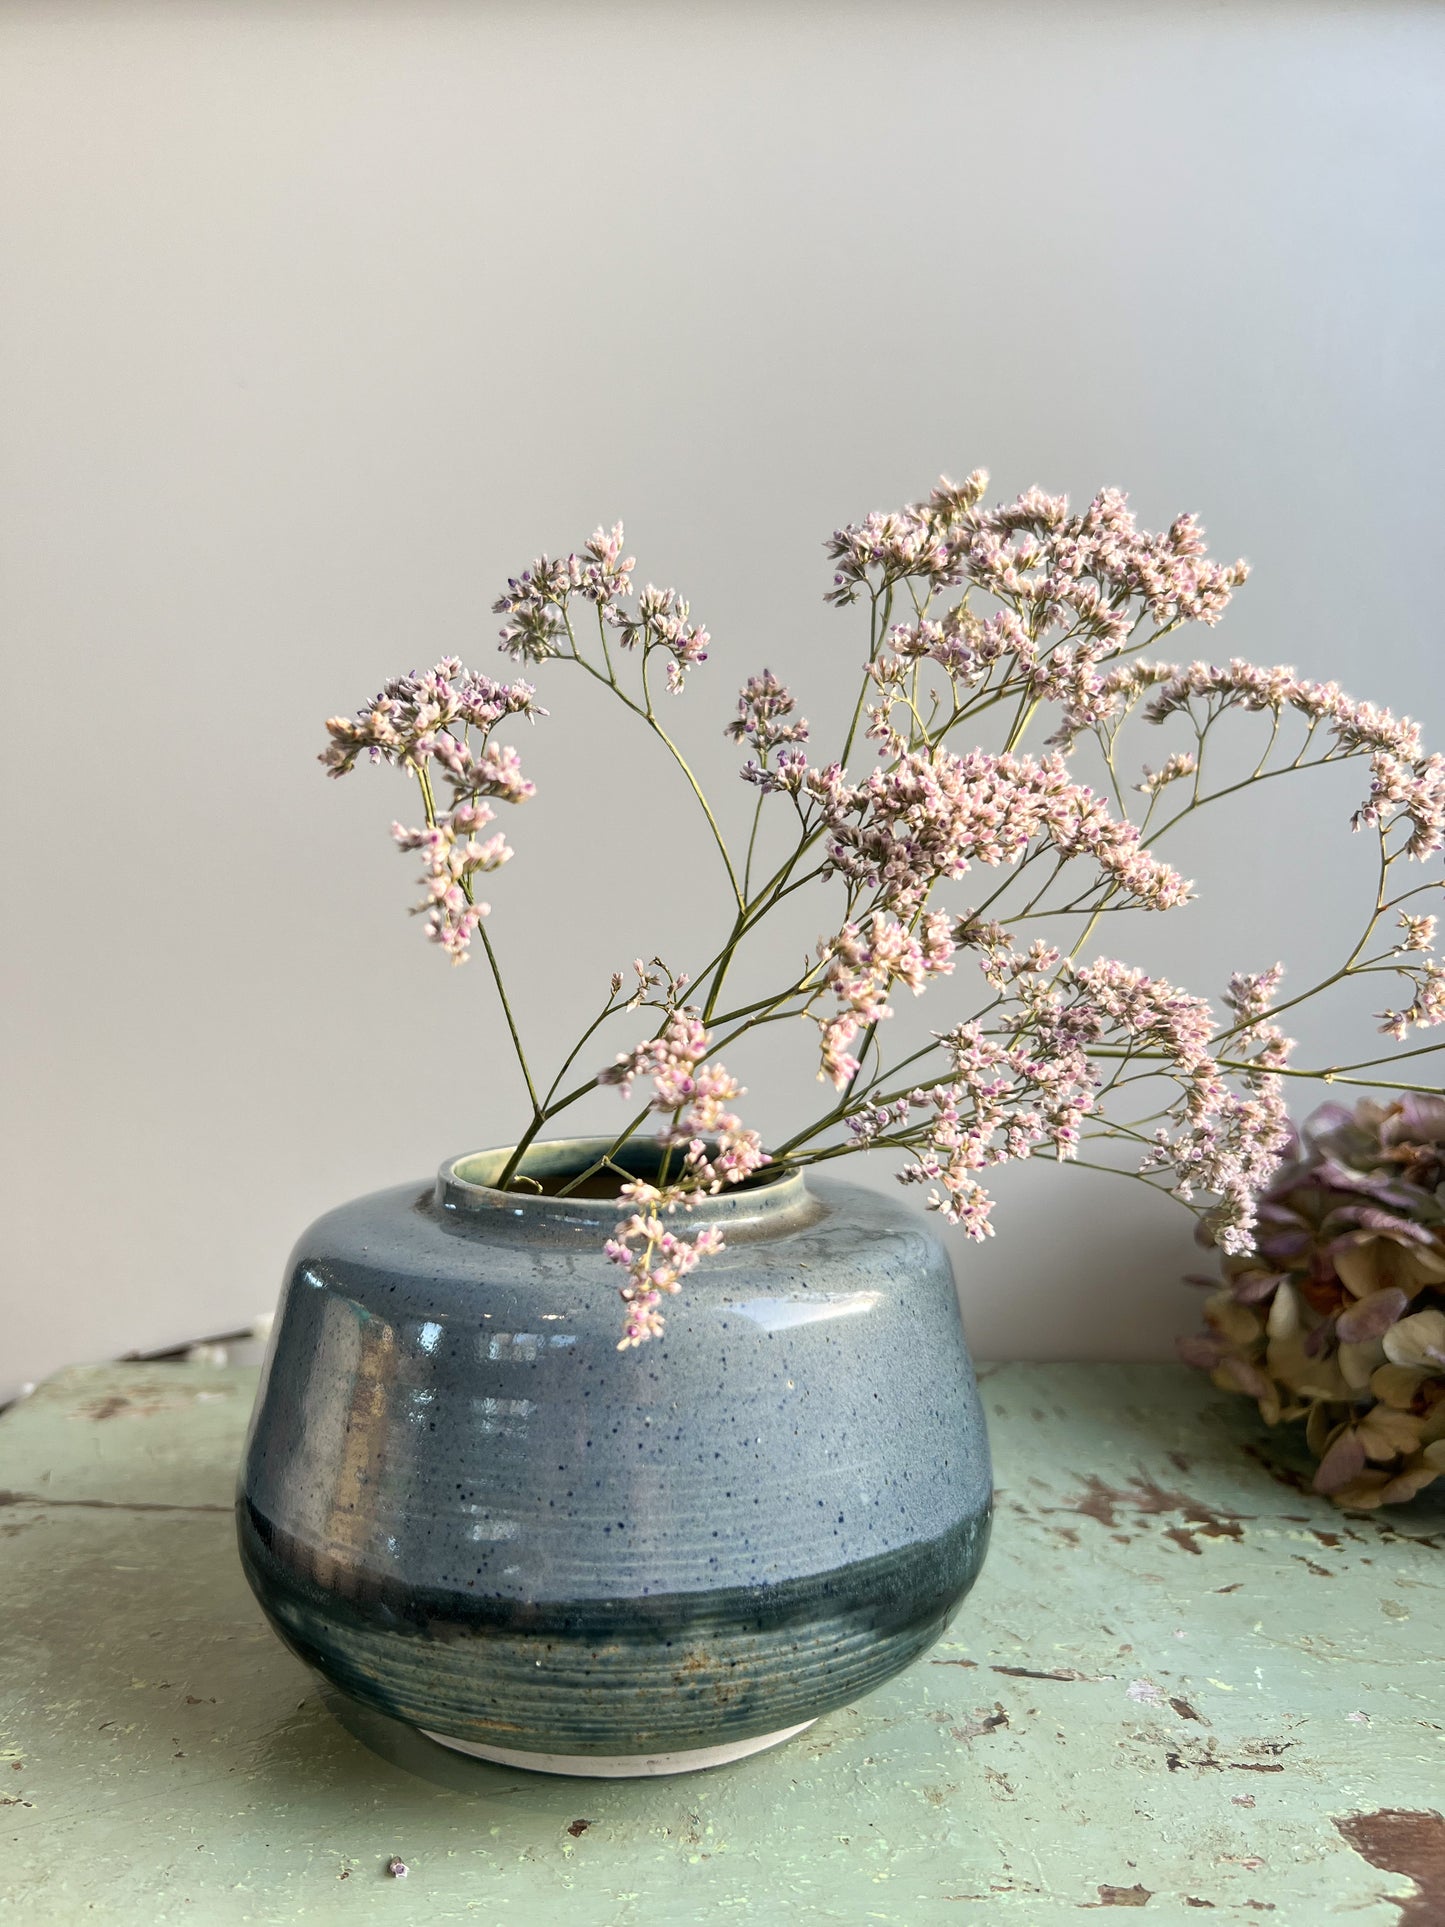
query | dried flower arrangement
[1337, 1316]
[982, 621]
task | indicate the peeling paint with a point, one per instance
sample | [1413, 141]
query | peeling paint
[1411, 1843]
[1056, 1672]
[1146, 1499]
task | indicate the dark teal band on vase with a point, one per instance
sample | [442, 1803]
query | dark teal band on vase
[664, 1671]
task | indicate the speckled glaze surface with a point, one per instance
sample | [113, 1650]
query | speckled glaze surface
[463, 1505]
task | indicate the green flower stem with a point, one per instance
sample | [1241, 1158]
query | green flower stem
[570, 1059]
[628, 1130]
[650, 716]
[427, 802]
[1026, 711]
[1139, 1177]
[829, 1151]
[752, 841]
[778, 886]
[1325, 1074]
[1369, 1063]
[877, 630]
[1346, 969]
[602, 638]
[1244, 783]
[749, 916]
[646, 713]
[511, 1020]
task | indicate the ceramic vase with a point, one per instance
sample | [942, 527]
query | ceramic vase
[464, 1506]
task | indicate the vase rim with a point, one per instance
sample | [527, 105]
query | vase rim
[462, 1186]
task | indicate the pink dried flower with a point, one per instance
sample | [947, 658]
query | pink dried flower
[862, 965]
[404, 724]
[1052, 608]
[536, 601]
[1250, 996]
[451, 857]
[658, 985]
[905, 544]
[933, 814]
[1428, 1008]
[414, 724]
[1415, 790]
[669, 1059]
[656, 1259]
[1419, 932]
[1031, 554]
[762, 705]
[495, 771]
[718, 1150]
[1403, 783]
[661, 622]
[1181, 764]
[930, 816]
[1080, 825]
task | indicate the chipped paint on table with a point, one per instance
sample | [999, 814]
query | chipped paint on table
[1182, 1685]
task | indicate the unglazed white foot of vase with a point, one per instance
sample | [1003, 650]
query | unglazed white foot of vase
[622, 1766]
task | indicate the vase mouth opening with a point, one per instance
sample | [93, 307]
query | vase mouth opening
[579, 1181]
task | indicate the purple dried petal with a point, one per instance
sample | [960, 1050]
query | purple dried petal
[1386, 1222]
[1388, 1188]
[1418, 1119]
[1344, 1461]
[1371, 1317]
[1278, 1211]
[1334, 1176]
[1280, 1246]
[1340, 1229]
[1202, 1350]
[1249, 1378]
[1317, 1339]
[1253, 1286]
[1329, 1117]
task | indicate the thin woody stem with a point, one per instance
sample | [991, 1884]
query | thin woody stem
[645, 712]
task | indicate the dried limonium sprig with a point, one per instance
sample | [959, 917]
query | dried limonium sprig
[943, 847]
[438, 726]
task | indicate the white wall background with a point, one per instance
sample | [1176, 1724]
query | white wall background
[321, 320]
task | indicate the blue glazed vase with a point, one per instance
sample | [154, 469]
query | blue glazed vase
[466, 1507]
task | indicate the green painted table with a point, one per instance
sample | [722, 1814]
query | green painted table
[1182, 1685]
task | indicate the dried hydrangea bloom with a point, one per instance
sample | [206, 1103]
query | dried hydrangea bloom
[1337, 1313]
